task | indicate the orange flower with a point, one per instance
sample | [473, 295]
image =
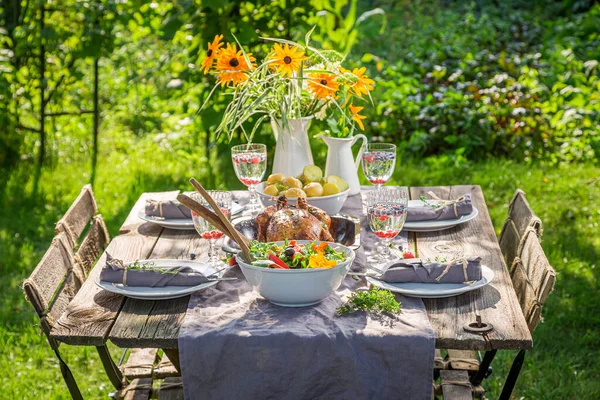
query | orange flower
[233, 66]
[286, 59]
[356, 117]
[319, 261]
[323, 85]
[319, 248]
[211, 53]
[364, 84]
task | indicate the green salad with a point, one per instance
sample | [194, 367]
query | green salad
[293, 255]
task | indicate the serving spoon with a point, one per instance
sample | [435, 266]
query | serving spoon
[216, 217]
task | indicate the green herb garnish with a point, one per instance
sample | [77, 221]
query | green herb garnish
[428, 204]
[375, 301]
[138, 266]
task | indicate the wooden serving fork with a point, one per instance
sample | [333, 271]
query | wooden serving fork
[216, 217]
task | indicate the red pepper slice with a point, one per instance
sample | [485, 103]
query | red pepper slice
[278, 261]
[232, 262]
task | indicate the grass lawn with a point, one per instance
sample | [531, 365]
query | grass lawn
[563, 363]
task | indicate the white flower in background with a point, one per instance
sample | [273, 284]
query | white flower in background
[322, 113]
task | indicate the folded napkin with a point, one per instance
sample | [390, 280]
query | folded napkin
[424, 271]
[447, 209]
[170, 209]
[134, 274]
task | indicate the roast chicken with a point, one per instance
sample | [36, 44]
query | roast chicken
[303, 222]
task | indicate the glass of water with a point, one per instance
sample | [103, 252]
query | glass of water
[378, 161]
[250, 165]
[205, 229]
[386, 212]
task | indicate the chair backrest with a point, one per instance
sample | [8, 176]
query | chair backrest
[533, 277]
[50, 280]
[62, 270]
[520, 218]
[77, 217]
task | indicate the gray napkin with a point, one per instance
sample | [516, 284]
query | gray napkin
[452, 210]
[422, 271]
[115, 271]
[170, 209]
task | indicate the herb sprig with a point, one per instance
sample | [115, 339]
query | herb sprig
[428, 204]
[374, 300]
[138, 266]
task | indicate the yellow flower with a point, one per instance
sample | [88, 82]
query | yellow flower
[286, 59]
[364, 84]
[233, 66]
[319, 261]
[323, 85]
[356, 116]
[211, 53]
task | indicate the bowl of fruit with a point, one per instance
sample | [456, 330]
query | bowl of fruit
[326, 192]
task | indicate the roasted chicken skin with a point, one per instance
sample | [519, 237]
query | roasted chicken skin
[303, 222]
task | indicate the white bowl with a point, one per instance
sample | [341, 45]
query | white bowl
[331, 204]
[297, 287]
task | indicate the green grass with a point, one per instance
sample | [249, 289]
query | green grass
[563, 363]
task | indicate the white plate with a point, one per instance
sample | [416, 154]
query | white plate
[165, 292]
[432, 226]
[434, 290]
[182, 223]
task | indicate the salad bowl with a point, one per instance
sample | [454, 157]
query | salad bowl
[298, 287]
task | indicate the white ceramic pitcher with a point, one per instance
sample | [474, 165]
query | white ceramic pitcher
[340, 161]
[292, 152]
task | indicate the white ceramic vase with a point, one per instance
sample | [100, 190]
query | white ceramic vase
[340, 161]
[292, 152]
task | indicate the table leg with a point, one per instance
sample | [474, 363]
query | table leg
[513, 375]
[173, 355]
[483, 368]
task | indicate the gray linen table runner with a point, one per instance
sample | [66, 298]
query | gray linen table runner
[234, 344]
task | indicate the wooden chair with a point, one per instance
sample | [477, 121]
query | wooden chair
[62, 271]
[520, 218]
[533, 278]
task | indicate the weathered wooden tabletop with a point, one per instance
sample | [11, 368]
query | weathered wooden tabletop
[95, 316]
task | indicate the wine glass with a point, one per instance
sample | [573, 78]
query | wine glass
[386, 212]
[378, 161]
[205, 229]
[250, 165]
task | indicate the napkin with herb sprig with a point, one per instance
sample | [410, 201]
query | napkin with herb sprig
[438, 270]
[148, 275]
[168, 209]
[439, 210]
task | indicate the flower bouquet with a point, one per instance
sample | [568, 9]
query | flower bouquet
[294, 83]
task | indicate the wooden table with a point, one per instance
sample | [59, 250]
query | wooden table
[95, 316]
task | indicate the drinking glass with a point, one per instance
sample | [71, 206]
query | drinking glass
[378, 161]
[207, 230]
[386, 212]
[250, 165]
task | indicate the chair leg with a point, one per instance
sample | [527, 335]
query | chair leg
[513, 375]
[484, 366]
[113, 372]
[68, 377]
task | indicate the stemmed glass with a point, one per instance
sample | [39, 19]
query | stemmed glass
[378, 161]
[386, 212]
[208, 231]
[250, 165]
